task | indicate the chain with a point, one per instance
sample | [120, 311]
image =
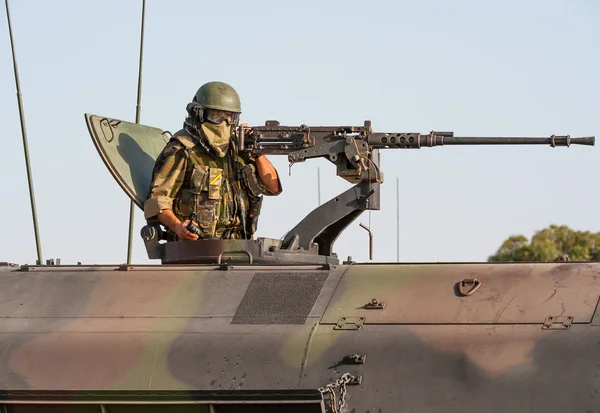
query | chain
[330, 388]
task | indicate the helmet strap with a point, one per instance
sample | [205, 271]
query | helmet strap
[196, 112]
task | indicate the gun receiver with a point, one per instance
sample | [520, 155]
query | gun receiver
[355, 152]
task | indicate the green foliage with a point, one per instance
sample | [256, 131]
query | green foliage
[548, 244]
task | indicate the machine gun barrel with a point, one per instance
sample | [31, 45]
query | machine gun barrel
[552, 141]
[417, 140]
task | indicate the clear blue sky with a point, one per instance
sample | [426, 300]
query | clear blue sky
[474, 67]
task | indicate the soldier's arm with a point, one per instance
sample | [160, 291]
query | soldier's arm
[268, 175]
[168, 176]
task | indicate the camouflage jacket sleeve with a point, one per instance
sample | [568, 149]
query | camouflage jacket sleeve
[167, 178]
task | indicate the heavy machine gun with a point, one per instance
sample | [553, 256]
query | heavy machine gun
[129, 151]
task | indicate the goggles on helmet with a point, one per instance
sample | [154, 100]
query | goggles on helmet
[218, 116]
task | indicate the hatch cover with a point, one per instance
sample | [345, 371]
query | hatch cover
[129, 151]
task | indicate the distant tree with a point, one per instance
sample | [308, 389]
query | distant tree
[548, 244]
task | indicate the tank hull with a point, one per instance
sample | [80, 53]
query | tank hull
[411, 336]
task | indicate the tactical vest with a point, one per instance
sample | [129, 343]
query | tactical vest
[224, 199]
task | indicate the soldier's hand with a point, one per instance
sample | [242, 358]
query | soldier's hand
[246, 128]
[183, 233]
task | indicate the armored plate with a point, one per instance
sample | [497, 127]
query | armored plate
[194, 338]
[512, 293]
[129, 151]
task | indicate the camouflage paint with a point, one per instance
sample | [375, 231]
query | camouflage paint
[169, 328]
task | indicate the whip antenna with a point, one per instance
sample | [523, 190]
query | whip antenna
[137, 120]
[25, 146]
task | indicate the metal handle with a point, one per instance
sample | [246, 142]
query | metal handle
[235, 251]
[370, 240]
[474, 282]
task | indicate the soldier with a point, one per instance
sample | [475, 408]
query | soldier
[201, 186]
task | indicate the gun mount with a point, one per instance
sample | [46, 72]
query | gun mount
[129, 151]
[355, 152]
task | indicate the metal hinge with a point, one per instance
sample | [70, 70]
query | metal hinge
[355, 381]
[349, 323]
[557, 323]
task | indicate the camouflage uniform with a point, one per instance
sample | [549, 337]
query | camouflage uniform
[195, 184]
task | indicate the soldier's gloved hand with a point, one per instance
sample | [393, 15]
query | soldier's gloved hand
[247, 129]
[183, 233]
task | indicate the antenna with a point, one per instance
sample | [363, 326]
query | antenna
[25, 146]
[319, 185]
[137, 120]
[397, 219]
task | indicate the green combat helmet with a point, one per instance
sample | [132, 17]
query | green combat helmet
[218, 96]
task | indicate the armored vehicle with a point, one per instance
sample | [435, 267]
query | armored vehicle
[285, 325]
